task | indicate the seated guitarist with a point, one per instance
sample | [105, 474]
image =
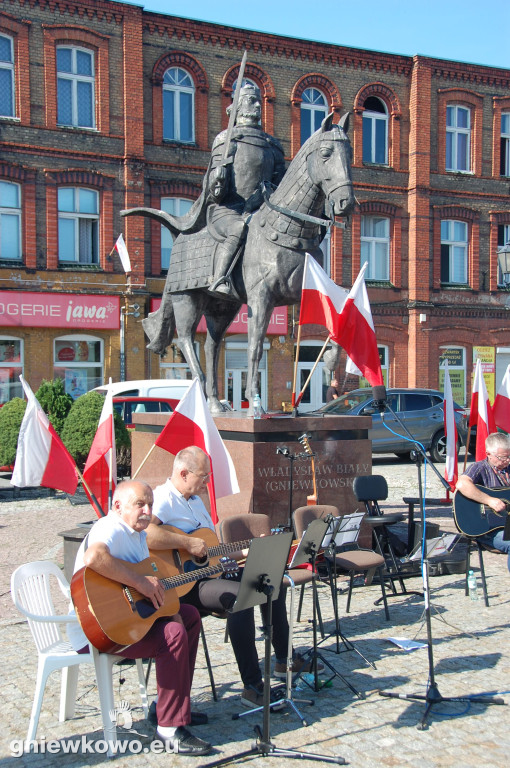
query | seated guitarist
[112, 543]
[492, 472]
[176, 503]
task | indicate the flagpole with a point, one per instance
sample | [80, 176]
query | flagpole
[467, 448]
[94, 500]
[299, 397]
[298, 342]
[143, 462]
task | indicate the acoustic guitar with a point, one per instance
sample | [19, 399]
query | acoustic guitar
[475, 519]
[313, 498]
[114, 616]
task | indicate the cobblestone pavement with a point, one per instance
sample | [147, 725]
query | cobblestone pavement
[470, 653]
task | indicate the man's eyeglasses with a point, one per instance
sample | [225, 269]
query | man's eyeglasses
[501, 458]
[204, 477]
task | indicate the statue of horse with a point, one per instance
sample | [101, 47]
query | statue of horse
[270, 274]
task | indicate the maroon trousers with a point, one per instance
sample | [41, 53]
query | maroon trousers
[174, 648]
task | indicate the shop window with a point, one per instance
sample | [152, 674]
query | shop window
[314, 108]
[505, 145]
[454, 252]
[458, 138]
[11, 366]
[384, 358]
[75, 87]
[6, 76]
[178, 106]
[177, 206]
[10, 221]
[456, 357]
[78, 225]
[375, 132]
[78, 360]
[174, 365]
[375, 247]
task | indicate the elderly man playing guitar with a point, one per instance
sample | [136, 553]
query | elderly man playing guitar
[482, 477]
[113, 548]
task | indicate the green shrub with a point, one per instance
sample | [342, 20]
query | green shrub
[81, 425]
[11, 416]
[55, 402]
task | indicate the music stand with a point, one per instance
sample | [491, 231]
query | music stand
[261, 582]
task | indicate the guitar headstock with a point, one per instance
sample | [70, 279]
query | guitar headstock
[230, 567]
[305, 442]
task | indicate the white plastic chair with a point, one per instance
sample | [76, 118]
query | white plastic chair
[31, 594]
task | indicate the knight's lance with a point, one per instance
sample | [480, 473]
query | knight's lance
[233, 113]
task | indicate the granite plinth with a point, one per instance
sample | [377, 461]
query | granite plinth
[340, 444]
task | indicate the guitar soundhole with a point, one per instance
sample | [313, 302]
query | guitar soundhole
[144, 609]
[192, 565]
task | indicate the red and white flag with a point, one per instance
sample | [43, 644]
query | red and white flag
[192, 424]
[346, 315]
[451, 472]
[41, 457]
[481, 412]
[501, 407]
[100, 473]
[120, 246]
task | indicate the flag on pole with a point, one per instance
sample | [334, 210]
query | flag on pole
[501, 407]
[346, 315]
[41, 457]
[120, 246]
[100, 473]
[192, 424]
[481, 412]
[451, 472]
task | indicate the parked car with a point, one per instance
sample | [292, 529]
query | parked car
[127, 406]
[421, 410]
[159, 388]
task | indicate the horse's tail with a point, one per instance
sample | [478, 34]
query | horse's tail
[159, 326]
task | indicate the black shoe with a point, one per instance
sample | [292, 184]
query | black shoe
[184, 743]
[197, 718]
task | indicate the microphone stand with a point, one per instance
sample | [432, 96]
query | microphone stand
[432, 697]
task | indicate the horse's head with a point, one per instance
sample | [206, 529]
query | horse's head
[329, 164]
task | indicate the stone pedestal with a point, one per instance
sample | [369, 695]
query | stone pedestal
[340, 444]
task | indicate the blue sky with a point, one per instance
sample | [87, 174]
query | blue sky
[475, 31]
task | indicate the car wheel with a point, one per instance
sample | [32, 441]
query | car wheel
[437, 449]
[404, 455]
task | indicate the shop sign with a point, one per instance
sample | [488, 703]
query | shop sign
[487, 357]
[277, 323]
[66, 310]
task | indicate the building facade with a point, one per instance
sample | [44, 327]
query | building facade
[105, 106]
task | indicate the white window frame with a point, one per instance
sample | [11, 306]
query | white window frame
[77, 216]
[452, 246]
[456, 132]
[505, 143]
[7, 211]
[77, 364]
[12, 364]
[9, 67]
[176, 206]
[373, 118]
[315, 103]
[506, 239]
[372, 243]
[75, 79]
[176, 89]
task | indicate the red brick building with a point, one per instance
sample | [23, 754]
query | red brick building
[105, 106]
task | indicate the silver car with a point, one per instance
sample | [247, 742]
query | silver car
[421, 410]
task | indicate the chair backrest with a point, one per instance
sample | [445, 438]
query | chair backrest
[303, 516]
[242, 527]
[31, 594]
[370, 489]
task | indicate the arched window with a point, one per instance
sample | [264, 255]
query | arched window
[375, 131]
[10, 220]
[78, 359]
[75, 87]
[454, 252]
[177, 206]
[78, 225]
[375, 247]
[6, 76]
[314, 108]
[178, 106]
[11, 366]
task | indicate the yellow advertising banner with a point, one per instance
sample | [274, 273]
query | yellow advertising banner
[487, 357]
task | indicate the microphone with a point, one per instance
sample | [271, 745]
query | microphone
[379, 395]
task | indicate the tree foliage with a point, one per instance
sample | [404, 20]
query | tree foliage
[55, 402]
[11, 416]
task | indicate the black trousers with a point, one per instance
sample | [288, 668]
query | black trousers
[220, 595]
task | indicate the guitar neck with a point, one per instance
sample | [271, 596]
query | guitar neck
[225, 549]
[172, 582]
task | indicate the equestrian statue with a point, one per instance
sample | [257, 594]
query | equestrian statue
[245, 239]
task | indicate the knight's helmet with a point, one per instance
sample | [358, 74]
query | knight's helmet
[247, 89]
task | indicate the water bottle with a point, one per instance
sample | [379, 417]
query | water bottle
[472, 588]
[257, 407]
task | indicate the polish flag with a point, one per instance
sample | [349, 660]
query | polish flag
[501, 407]
[481, 412]
[346, 315]
[100, 473]
[192, 424]
[451, 473]
[41, 457]
[122, 250]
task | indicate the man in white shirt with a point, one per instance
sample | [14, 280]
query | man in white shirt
[177, 503]
[112, 543]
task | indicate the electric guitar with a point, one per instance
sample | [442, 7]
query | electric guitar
[475, 519]
[114, 616]
[313, 498]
